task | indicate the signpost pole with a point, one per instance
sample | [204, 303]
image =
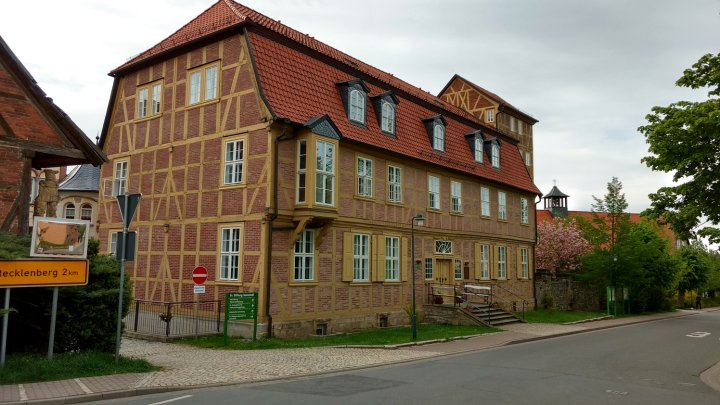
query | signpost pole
[5, 327]
[126, 222]
[227, 314]
[53, 317]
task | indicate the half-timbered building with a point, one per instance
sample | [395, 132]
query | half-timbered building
[289, 168]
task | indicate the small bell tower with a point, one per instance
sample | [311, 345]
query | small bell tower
[556, 202]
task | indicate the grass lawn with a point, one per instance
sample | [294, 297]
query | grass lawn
[555, 316]
[28, 368]
[388, 336]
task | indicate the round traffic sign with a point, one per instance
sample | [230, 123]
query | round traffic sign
[199, 275]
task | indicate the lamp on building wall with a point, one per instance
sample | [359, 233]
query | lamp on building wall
[420, 220]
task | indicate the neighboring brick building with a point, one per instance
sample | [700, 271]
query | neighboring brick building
[34, 134]
[493, 111]
[288, 168]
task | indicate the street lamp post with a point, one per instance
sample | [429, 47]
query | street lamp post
[413, 317]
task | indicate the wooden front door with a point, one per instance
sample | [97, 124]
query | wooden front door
[443, 273]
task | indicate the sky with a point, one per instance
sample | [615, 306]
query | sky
[589, 71]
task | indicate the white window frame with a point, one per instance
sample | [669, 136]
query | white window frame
[502, 263]
[524, 211]
[361, 257]
[502, 206]
[120, 178]
[230, 242]
[69, 211]
[112, 242]
[495, 154]
[485, 201]
[203, 84]
[458, 269]
[86, 211]
[439, 137]
[387, 119]
[485, 262]
[304, 256]
[301, 178]
[325, 173]
[234, 156]
[433, 192]
[490, 116]
[156, 99]
[392, 258]
[394, 184]
[456, 196]
[524, 263]
[443, 247]
[428, 268]
[479, 149]
[364, 177]
[356, 106]
[142, 103]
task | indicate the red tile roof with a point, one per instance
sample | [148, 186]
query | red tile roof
[304, 86]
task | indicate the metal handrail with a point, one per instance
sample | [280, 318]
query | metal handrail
[525, 303]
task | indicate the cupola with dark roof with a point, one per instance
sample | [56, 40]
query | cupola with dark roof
[556, 202]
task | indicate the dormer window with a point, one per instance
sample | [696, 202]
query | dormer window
[354, 96]
[478, 149]
[495, 155]
[387, 121]
[476, 143]
[436, 131]
[357, 106]
[489, 116]
[385, 108]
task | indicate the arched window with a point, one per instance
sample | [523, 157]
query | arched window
[86, 212]
[357, 106]
[439, 137]
[388, 118]
[70, 211]
[495, 155]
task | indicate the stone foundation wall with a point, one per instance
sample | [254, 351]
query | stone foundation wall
[310, 327]
[449, 315]
[567, 294]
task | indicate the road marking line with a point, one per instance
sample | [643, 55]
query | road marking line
[23, 394]
[82, 386]
[171, 400]
[698, 334]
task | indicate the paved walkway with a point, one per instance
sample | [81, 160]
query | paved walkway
[187, 367]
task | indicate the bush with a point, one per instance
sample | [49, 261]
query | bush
[548, 302]
[86, 315]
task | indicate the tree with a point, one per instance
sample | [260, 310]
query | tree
[609, 214]
[697, 268]
[560, 246]
[684, 138]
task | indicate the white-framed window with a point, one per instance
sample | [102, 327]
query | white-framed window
[495, 154]
[428, 268]
[142, 102]
[485, 262]
[234, 158]
[69, 211]
[203, 84]
[478, 149]
[524, 263]
[112, 246]
[387, 123]
[301, 171]
[528, 159]
[439, 137]
[490, 116]
[456, 196]
[524, 214]
[230, 254]
[443, 247]
[357, 106]
[364, 177]
[392, 258]
[120, 178]
[394, 184]
[155, 106]
[502, 262]
[485, 201]
[86, 212]
[458, 269]
[434, 192]
[502, 211]
[304, 256]
[361, 257]
[324, 173]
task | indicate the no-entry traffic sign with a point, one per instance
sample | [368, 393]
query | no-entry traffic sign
[199, 275]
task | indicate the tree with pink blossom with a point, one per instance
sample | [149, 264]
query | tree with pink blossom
[560, 245]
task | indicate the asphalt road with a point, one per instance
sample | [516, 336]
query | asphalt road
[649, 363]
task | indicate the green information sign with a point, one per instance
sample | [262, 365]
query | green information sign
[240, 306]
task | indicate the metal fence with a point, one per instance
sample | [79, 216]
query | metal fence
[174, 319]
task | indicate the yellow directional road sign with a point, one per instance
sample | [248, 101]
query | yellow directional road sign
[43, 273]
